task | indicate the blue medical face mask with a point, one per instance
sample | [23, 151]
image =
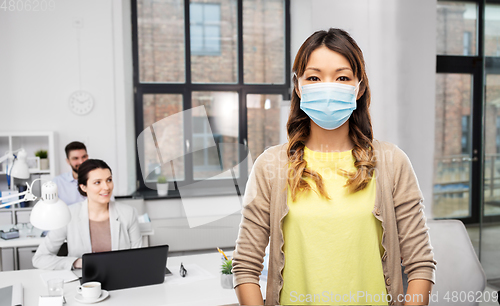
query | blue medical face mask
[329, 105]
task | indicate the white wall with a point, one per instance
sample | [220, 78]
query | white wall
[39, 71]
[398, 41]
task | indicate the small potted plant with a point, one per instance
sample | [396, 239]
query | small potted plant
[44, 161]
[162, 185]
[226, 278]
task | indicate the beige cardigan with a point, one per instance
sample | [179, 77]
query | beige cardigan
[398, 206]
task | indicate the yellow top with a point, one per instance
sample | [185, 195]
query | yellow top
[332, 247]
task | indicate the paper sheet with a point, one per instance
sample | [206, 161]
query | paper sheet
[17, 294]
[66, 275]
[194, 273]
[50, 301]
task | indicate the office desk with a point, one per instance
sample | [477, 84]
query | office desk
[25, 238]
[203, 292]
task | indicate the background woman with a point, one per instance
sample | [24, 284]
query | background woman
[340, 208]
[97, 224]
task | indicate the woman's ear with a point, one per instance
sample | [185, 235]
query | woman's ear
[361, 90]
[296, 85]
[83, 187]
[297, 91]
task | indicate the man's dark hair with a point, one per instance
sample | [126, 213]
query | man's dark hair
[75, 145]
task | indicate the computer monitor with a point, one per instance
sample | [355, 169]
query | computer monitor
[126, 268]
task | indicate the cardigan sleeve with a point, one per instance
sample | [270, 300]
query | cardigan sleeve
[416, 250]
[254, 231]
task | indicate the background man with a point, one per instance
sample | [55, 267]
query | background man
[67, 183]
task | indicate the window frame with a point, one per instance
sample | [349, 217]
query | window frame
[186, 88]
[478, 66]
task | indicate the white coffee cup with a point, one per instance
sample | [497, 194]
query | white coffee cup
[90, 290]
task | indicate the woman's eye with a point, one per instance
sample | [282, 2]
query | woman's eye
[313, 78]
[97, 183]
[110, 180]
[343, 79]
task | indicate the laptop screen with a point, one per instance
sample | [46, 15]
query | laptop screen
[126, 268]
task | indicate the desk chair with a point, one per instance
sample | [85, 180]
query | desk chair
[458, 268]
[63, 250]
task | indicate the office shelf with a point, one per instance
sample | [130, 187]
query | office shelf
[30, 142]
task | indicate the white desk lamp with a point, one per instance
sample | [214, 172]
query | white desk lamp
[50, 212]
[19, 165]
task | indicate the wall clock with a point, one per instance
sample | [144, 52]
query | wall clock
[81, 102]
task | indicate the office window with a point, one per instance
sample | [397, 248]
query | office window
[221, 127]
[160, 45]
[205, 28]
[467, 182]
[492, 30]
[168, 141]
[456, 28]
[452, 145]
[263, 41]
[209, 79]
[214, 41]
[263, 112]
[205, 160]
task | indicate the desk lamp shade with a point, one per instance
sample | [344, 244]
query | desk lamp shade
[50, 212]
[20, 168]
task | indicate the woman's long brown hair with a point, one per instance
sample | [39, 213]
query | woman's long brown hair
[360, 126]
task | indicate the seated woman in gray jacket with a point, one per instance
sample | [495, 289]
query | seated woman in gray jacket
[97, 224]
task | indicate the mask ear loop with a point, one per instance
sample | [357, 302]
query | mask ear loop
[298, 83]
[356, 90]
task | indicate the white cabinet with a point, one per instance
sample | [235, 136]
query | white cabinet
[8, 263]
[25, 256]
[5, 218]
[23, 216]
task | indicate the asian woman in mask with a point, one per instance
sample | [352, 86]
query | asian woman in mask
[341, 210]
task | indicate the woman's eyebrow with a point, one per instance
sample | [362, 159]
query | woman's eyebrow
[313, 68]
[337, 70]
[343, 68]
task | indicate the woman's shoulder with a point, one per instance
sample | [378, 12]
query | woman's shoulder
[274, 153]
[383, 145]
[75, 208]
[276, 150]
[275, 156]
[123, 209]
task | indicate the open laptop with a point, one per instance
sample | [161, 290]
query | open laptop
[126, 268]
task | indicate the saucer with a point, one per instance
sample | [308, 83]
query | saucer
[79, 298]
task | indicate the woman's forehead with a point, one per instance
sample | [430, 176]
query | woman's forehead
[323, 58]
[99, 173]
